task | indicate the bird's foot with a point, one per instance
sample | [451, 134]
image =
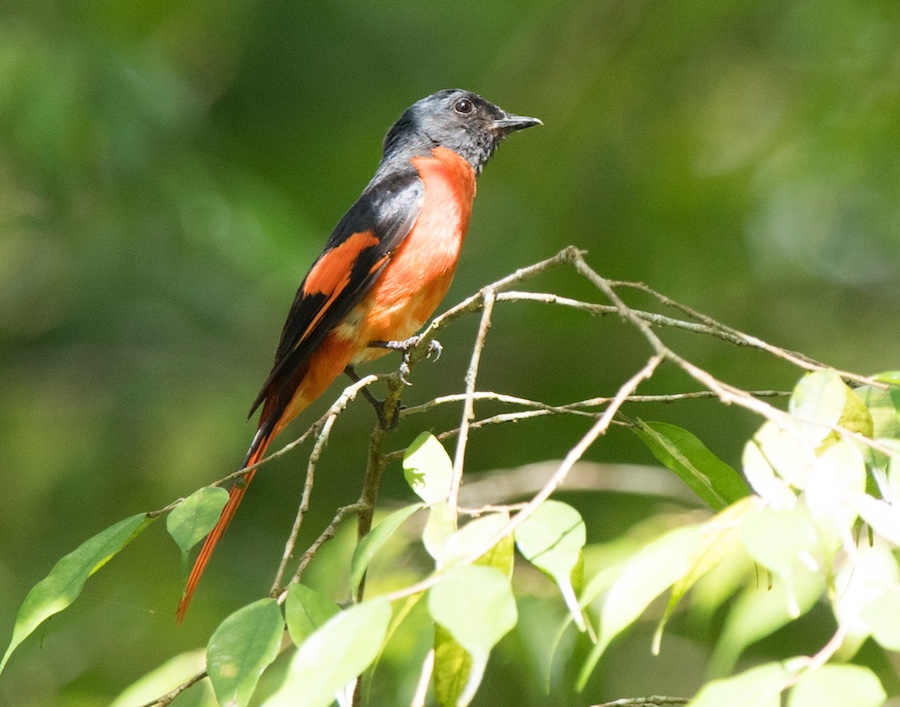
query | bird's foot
[406, 346]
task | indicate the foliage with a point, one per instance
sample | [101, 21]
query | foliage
[169, 170]
[819, 518]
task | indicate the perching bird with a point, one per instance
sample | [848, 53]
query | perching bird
[384, 270]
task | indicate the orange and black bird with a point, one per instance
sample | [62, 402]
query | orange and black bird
[384, 270]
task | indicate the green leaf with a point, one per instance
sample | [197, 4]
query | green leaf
[720, 539]
[716, 483]
[855, 416]
[474, 536]
[772, 467]
[452, 668]
[194, 517]
[783, 448]
[160, 680]
[882, 409]
[374, 541]
[882, 517]
[882, 618]
[838, 686]
[441, 524]
[759, 612]
[552, 540]
[863, 582]
[66, 580]
[817, 403]
[335, 655]
[306, 610]
[837, 481]
[476, 605]
[892, 377]
[758, 687]
[778, 539]
[643, 577]
[428, 468]
[241, 648]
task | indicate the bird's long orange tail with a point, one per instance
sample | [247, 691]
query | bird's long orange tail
[235, 495]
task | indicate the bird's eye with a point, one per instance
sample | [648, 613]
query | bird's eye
[464, 106]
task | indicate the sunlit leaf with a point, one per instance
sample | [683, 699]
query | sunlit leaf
[837, 686]
[720, 539]
[882, 617]
[892, 377]
[787, 453]
[882, 409]
[160, 680]
[779, 539]
[761, 471]
[716, 483]
[817, 403]
[856, 416]
[758, 687]
[305, 610]
[476, 606]
[782, 541]
[759, 612]
[552, 540]
[882, 517]
[655, 568]
[428, 468]
[334, 655]
[64, 583]
[476, 535]
[241, 648]
[860, 581]
[441, 524]
[837, 480]
[194, 517]
[369, 546]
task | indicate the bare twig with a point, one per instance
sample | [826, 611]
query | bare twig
[798, 359]
[652, 701]
[418, 699]
[167, 699]
[469, 405]
[339, 405]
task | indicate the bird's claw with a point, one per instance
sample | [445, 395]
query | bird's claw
[405, 347]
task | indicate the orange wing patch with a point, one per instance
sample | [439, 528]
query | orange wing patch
[331, 273]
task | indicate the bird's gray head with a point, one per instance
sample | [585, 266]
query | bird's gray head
[459, 120]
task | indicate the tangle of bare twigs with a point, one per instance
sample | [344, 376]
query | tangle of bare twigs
[601, 411]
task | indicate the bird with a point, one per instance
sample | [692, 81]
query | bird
[383, 271]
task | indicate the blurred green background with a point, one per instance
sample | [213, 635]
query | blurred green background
[169, 170]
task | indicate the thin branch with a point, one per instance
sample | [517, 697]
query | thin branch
[315, 546]
[339, 405]
[652, 701]
[469, 405]
[421, 693]
[798, 359]
[169, 697]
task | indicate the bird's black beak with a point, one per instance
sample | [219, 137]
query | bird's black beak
[509, 123]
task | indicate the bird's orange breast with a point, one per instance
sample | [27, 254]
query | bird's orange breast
[419, 274]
